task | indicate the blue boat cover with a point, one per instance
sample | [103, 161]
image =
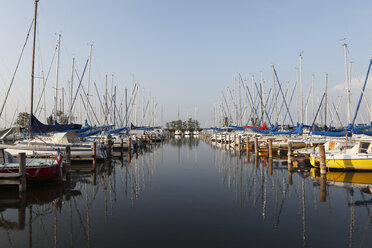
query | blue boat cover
[237, 127]
[332, 134]
[118, 130]
[36, 126]
[298, 130]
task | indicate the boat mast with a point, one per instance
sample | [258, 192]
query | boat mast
[275, 96]
[71, 88]
[326, 101]
[105, 118]
[89, 72]
[312, 93]
[33, 64]
[301, 91]
[347, 86]
[57, 72]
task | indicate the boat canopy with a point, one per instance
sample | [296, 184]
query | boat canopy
[265, 131]
[65, 138]
[118, 130]
[237, 127]
[263, 127]
[36, 126]
[298, 130]
[332, 134]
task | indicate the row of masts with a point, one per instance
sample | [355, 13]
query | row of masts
[113, 107]
[254, 102]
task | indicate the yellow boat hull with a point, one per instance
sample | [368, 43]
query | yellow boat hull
[345, 164]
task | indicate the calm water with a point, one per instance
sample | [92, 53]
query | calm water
[186, 193]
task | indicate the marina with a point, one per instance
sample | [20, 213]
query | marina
[139, 137]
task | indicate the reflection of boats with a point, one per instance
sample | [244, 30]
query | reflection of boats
[36, 195]
[361, 180]
[37, 170]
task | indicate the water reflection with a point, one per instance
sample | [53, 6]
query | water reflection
[218, 197]
[267, 186]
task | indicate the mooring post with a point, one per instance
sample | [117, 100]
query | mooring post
[323, 187]
[323, 169]
[270, 141]
[121, 147]
[239, 140]
[68, 162]
[271, 167]
[256, 160]
[22, 171]
[109, 147]
[129, 143]
[247, 148]
[289, 156]
[256, 145]
[94, 155]
[290, 179]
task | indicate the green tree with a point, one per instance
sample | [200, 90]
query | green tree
[22, 119]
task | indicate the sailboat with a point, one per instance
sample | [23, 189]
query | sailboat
[37, 170]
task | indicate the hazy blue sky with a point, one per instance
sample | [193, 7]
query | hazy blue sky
[184, 52]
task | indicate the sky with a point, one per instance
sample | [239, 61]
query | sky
[184, 54]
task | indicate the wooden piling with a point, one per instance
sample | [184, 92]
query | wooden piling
[129, 144]
[323, 187]
[256, 145]
[256, 160]
[22, 171]
[239, 140]
[121, 148]
[94, 150]
[109, 147]
[247, 148]
[290, 179]
[68, 162]
[94, 155]
[270, 166]
[323, 169]
[270, 141]
[289, 156]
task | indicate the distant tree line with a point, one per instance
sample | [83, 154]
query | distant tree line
[190, 125]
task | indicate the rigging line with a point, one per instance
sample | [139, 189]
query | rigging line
[88, 102]
[16, 69]
[362, 93]
[290, 101]
[255, 109]
[317, 112]
[260, 95]
[248, 93]
[85, 108]
[99, 98]
[227, 106]
[364, 97]
[77, 90]
[338, 117]
[281, 91]
[46, 79]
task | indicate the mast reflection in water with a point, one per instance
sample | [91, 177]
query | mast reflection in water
[186, 193]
